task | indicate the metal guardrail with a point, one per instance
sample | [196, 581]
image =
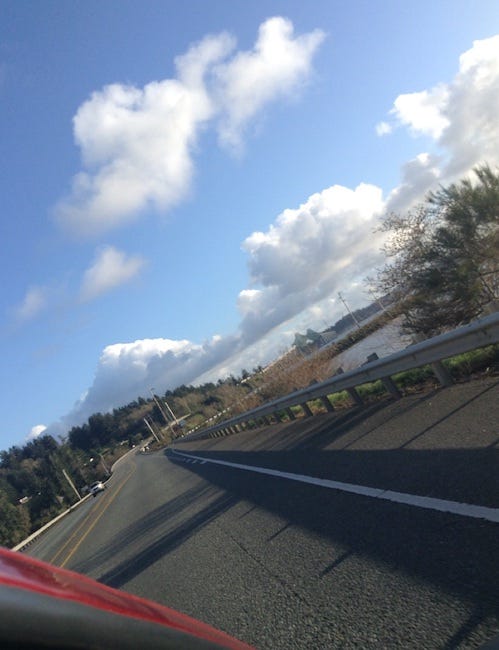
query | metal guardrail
[480, 333]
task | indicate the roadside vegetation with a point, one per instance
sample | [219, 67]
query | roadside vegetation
[443, 256]
[442, 271]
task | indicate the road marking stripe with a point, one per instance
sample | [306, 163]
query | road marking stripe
[430, 503]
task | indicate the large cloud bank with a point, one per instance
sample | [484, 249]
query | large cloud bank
[309, 252]
[127, 370]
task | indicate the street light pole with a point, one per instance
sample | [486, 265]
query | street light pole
[159, 406]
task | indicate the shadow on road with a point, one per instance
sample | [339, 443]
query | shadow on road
[463, 475]
[456, 553]
[146, 541]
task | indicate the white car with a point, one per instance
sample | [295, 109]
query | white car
[96, 487]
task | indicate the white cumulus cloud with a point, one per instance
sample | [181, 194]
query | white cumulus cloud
[110, 269]
[278, 64]
[36, 431]
[137, 143]
[460, 116]
[422, 111]
[127, 370]
[418, 175]
[308, 253]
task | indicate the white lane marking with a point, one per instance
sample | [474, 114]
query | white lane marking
[430, 503]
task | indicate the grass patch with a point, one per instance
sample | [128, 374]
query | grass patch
[370, 390]
[340, 400]
[482, 360]
[414, 377]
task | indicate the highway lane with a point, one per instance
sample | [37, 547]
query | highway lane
[285, 565]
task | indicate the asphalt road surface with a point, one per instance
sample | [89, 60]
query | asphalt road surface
[282, 563]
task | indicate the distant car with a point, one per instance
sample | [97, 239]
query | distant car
[96, 487]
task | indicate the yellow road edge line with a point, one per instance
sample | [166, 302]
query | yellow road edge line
[94, 523]
[78, 528]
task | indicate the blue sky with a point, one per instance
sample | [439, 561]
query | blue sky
[184, 185]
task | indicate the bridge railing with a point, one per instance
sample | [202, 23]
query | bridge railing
[480, 333]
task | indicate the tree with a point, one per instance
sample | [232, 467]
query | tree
[14, 522]
[79, 436]
[101, 427]
[443, 264]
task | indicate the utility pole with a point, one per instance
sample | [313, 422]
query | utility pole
[383, 308]
[66, 476]
[348, 309]
[151, 430]
[159, 406]
[104, 464]
[170, 411]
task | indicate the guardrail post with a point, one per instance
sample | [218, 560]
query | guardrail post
[351, 391]
[441, 373]
[391, 387]
[355, 396]
[290, 413]
[306, 409]
[439, 370]
[327, 403]
[388, 382]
